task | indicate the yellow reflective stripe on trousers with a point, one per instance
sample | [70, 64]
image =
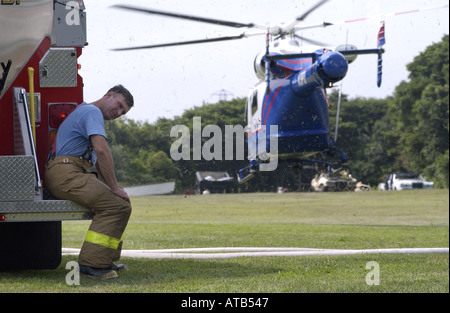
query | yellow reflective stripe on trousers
[102, 240]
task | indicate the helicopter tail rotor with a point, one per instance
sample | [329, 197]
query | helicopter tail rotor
[381, 42]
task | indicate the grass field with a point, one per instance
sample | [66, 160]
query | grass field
[366, 220]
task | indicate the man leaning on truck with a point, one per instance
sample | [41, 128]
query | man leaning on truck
[80, 143]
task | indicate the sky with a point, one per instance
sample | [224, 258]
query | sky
[167, 81]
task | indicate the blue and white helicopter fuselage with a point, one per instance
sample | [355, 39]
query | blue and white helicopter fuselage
[291, 107]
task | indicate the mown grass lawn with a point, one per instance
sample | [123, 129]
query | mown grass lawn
[368, 220]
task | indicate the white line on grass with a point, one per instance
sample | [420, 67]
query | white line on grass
[224, 253]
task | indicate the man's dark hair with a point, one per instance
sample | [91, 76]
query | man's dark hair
[125, 93]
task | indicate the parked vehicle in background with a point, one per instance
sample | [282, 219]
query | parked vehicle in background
[404, 181]
[342, 181]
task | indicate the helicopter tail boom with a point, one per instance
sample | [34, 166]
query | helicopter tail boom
[329, 68]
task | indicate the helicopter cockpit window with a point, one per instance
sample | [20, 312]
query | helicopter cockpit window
[254, 102]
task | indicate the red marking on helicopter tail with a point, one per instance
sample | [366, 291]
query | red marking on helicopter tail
[297, 61]
[293, 64]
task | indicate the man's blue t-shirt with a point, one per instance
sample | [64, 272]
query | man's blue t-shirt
[73, 134]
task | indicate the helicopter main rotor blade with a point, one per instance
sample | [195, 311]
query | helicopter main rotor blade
[312, 41]
[289, 27]
[181, 43]
[187, 17]
[382, 16]
[304, 15]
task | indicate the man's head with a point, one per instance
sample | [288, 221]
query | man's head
[116, 102]
[119, 89]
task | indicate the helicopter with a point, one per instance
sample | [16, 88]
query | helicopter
[287, 110]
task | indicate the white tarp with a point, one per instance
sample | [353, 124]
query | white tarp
[148, 190]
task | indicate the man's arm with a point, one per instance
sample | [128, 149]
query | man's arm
[105, 165]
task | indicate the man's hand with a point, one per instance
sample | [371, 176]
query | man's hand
[119, 191]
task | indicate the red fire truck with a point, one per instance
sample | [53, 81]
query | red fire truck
[40, 43]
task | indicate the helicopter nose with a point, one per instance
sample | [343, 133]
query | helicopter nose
[334, 66]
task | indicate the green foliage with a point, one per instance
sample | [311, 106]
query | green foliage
[408, 131]
[358, 135]
[420, 112]
[140, 152]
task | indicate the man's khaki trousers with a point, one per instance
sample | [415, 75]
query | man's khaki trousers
[68, 178]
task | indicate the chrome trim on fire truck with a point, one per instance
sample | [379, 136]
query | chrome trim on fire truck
[58, 68]
[44, 210]
[16, 178]
[17, 195]
[23, 138]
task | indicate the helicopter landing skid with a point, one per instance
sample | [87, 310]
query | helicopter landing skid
[248, 172]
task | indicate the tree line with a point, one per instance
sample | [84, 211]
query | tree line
[405, 132]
